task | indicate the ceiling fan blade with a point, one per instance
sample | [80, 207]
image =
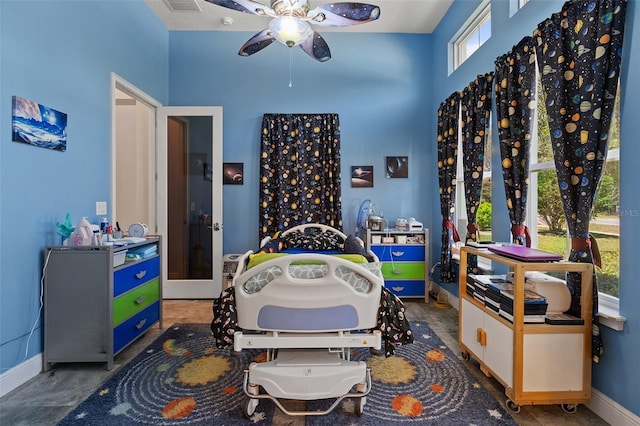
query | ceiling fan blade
[316, 47]
[257, 43]
[246, 6]
[343, 14]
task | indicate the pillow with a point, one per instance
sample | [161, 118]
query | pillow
[351, 245]
[274, 245]
[321, 241]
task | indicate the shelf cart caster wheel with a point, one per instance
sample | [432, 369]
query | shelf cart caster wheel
[512, 406]
[250, 407]
[465, 356]
[569, 408]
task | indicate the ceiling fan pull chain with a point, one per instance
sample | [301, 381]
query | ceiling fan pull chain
[290, 65]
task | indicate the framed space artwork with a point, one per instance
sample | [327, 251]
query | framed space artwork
[38, 125]
[397, 167]
[362, 176]
[232, 173]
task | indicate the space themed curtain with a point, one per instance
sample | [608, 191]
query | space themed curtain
[515, 84]
[578, 53]
[448, 114]
[475, 114]
[299, 171]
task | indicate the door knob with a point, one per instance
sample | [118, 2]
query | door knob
[216, 226]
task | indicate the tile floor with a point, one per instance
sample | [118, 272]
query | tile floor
[48, 397]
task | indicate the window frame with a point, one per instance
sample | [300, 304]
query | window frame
[472, 27]
[608, 306]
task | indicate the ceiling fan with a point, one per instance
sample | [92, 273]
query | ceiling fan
[291, 19]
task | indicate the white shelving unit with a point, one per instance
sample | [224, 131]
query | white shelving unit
[536, 363]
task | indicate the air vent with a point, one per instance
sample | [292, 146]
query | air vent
[182, 5]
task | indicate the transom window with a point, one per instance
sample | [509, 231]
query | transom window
[473, 34]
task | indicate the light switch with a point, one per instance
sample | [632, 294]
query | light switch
[101, 208]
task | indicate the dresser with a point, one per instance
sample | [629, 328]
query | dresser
[99, 299]
[404, 255]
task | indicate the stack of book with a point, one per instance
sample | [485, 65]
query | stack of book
[476, 287]
[486, 289]
[493, 295]
[535, 306]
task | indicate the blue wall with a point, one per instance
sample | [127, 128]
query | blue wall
[386, 88]
[379, 84]
[61, 54]
[617, 375]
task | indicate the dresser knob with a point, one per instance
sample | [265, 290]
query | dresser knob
[141, 274]
[140, 299]
[141, 324]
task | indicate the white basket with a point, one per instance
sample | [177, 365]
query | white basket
[119, 257]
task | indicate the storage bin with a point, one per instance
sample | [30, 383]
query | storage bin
[118, 257]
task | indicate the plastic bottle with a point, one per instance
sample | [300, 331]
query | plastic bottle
[103, 225]
[83, 235]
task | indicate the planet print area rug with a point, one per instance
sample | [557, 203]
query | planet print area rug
[424, 383]
[179, 379]
[183, 379]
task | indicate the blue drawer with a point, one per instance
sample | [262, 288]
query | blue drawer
[405, 288]
[135, 326]
[133, 275]
[399, 252]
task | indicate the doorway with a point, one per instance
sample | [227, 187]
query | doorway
[167, 172]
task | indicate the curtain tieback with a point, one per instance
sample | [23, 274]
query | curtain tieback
[474, 229]
[450, 225]
[520, 230]
[588, 243]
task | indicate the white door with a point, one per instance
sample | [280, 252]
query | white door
[189, 200]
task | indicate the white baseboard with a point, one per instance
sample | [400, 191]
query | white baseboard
[610, 411]
[20, 374]
[606, 408]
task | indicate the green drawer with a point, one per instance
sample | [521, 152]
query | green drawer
[403, 271]
[136, 300]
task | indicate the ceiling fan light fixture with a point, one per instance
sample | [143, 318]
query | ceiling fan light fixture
[290, 30]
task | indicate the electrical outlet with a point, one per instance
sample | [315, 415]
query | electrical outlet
[101, 208]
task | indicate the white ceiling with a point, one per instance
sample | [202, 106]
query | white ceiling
[396, 16]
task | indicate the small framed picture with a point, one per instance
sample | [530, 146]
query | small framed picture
[233, 173]
[397, 167]
[362, 176]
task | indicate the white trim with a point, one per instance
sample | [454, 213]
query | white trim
[610, 411]
[20, 374]
[609, 312]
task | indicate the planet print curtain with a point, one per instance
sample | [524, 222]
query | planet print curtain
[475, 114]
[515, 82]
[448, 116]
[299, 171]
[579, 54]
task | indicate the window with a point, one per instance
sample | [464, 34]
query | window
[474, 33]
[483, 215]
[545, 215]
